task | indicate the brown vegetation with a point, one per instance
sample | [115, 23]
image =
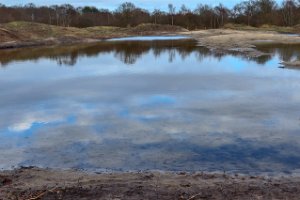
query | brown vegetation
[6, 35]
[22, 34]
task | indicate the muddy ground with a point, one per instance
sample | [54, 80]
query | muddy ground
[34, 183]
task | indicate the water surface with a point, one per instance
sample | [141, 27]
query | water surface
[138, 105]
[149, 38]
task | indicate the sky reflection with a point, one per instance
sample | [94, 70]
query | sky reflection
[196, 111]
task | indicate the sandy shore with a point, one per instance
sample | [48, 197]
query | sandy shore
[242, 42]
[295, 63]
[224, 40]
[34, 183]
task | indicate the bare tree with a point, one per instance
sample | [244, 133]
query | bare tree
[125, 11]
[245, 8]
[184, 10]
[222, 13]
[288, 11]
[172, 12]
[250, 12]
[156, 14]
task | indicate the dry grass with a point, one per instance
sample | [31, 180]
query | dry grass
[31, 31]
[152, 28]
[265, 27]
[24, 31]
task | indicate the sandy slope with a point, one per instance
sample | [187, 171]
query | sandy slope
[24, 34]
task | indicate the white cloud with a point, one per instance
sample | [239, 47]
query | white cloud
[27, 122]
[20, 127]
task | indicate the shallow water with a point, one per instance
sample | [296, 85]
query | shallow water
[149, 38]
[136, 105]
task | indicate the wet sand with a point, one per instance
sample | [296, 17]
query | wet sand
[34, 183]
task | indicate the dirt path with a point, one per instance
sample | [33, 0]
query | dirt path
[36, 183]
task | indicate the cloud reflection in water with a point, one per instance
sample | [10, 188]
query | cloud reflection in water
[126, 106]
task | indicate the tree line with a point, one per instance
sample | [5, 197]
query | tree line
[248, 12]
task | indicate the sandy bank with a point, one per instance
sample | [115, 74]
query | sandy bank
[295, 63]
[26, 34]
[242, 42]
[36, 183]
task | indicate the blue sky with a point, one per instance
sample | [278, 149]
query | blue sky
[112, 4]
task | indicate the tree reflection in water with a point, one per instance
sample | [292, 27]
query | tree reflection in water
[129, 52]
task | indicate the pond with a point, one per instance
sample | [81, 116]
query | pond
[149, 105]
